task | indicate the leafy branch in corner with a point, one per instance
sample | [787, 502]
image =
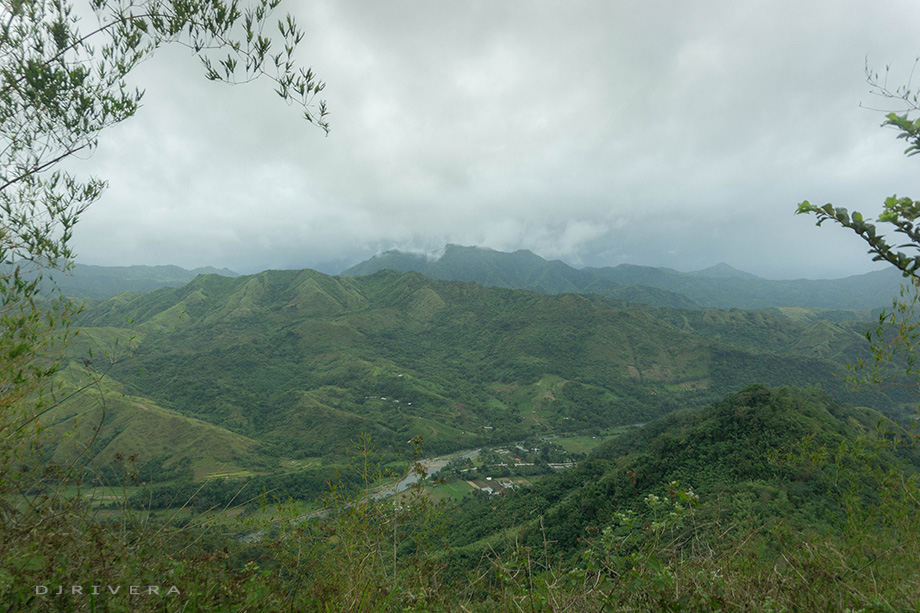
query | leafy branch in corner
[901, 212]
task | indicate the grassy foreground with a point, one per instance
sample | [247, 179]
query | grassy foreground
[848, 540]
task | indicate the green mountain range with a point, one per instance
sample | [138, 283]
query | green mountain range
[302, 363]
[519, 270]
[720, 286]
[725, 288]
[738, 469]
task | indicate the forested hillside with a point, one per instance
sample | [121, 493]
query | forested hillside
[304, 363]
[768, 496]
[725, 453]
[604, 454]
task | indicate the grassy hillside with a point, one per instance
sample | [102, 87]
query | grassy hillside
[102, 421]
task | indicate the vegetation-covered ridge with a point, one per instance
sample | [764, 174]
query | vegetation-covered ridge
[100, 282]
[304, 363]
[778, 498]
[726, 452]
[766, 499]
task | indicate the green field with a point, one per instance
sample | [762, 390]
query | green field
[453, 490]
[587, 443]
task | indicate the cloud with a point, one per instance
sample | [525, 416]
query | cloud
[667, 134]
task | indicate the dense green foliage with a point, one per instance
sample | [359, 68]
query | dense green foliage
[726, 452]
[762, 480]
[263, 381]
[304, 363]
[60, 89]
[769, 498]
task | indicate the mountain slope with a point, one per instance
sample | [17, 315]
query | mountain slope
[103, 422]
[729, 453]
[303, 362]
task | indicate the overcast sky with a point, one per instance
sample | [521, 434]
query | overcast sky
[678, 134]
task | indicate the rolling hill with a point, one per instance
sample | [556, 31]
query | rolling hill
[722, 287]
[104, 421]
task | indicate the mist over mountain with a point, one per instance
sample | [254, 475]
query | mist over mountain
[518, 270]
[719, 286]
[726, 288]
[87, 281]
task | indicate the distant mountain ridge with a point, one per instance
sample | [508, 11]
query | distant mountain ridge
[719, 286]
[521, 269]
[87, 281]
